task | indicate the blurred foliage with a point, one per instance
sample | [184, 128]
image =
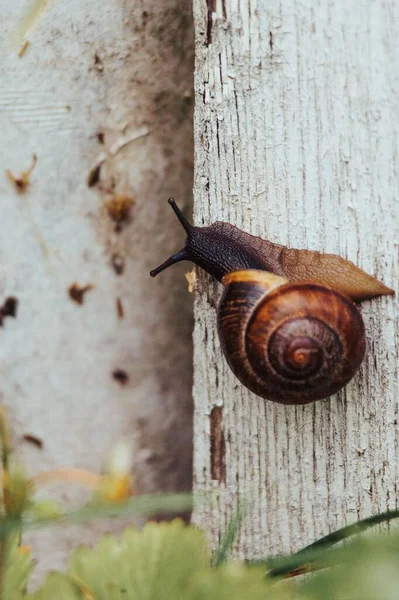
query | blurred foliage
[162, 561]
[57, 587]
[171, 561]
[16, 570]
[367, 569]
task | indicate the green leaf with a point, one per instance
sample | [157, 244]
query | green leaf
[57, 587]
[167, 561]
[17, 570]
[235, 582]
[157, 562]
[368, 569]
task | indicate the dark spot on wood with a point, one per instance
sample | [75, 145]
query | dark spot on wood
[271, 42]
[218, 446]
[120, 376]
[94, 176]
[9, 309]
[119, 309]
[98, 63]
[18, 182]
[118, 263]
[22, 181]
[118, 209]
[145, 15]
[33, 439]
[101, 137]
[77, 293]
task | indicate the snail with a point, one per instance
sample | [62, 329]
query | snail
[287, 321]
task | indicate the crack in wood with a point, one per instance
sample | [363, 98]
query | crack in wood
[211, 4]
[218, 446]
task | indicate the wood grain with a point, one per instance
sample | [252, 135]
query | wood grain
[296, 129]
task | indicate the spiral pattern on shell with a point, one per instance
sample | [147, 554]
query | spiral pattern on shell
[289, 342]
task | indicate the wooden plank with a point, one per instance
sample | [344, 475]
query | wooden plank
[106, 84]
[296, 129]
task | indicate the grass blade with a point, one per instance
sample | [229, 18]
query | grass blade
[318, 554]
[350, 530]
[230, 535]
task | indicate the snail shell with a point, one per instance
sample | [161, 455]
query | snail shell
[289, 342]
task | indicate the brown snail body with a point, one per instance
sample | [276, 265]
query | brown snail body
[287, 321]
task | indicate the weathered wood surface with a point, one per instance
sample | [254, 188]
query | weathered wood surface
[296, 139]
[122, 69]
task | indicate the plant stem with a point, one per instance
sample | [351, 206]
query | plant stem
[313, 557]
[4, 535]
[152, 504]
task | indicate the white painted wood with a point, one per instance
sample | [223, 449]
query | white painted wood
[296, 139]
[57, 358]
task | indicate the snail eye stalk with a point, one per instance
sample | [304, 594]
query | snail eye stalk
[188, 228]
[172, 260]
[183, 254]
